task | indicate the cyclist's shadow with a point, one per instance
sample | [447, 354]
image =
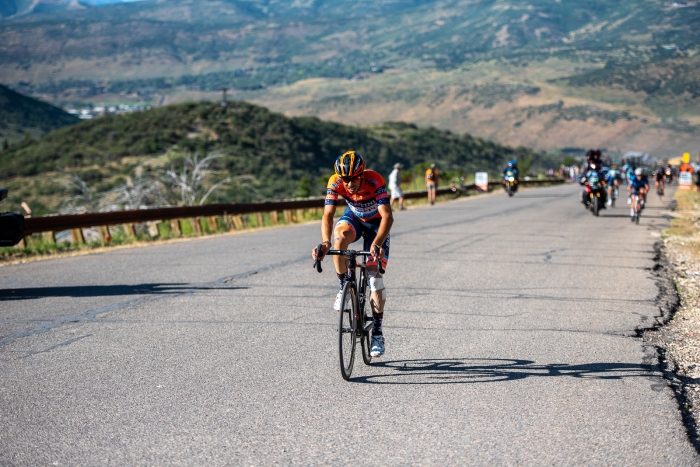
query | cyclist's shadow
[478, 370]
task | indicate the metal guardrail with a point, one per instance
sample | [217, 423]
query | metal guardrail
[79, 221]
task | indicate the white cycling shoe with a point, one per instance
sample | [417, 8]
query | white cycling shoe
[338, 298]
[377, 349]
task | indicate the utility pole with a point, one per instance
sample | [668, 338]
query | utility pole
[223, 102]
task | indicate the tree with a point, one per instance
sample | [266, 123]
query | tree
[140, 193]
[188, 181]
[84, 199]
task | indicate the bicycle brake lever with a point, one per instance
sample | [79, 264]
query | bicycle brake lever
[375, 253]
[317, 262]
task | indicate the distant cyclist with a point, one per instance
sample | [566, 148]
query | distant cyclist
[660, 179]
[368, 215]
[638, 186]
[669, 174]
[645, 179]
[613, 178]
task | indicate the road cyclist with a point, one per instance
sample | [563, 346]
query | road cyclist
[367, 216]
[638, 186]
[660, 181]
[613, 178]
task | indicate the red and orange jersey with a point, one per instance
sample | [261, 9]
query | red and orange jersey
[365, 203]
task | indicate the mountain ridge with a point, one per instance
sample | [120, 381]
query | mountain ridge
[579, 52]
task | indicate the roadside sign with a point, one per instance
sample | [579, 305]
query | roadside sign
[685, 180]
[482, 181]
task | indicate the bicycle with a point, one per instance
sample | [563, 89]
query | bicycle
[636, 212]
[353, 324]
[614, 193]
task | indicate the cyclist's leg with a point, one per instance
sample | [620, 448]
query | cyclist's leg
[377, 298]
[347, 230]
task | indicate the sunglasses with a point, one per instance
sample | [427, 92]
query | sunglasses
[349, 179]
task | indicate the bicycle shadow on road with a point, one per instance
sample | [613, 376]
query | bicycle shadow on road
[627, 216]
[477, 370]
[30, 293]
[517, 196]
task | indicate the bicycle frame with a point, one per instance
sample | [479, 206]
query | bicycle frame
[360, 285]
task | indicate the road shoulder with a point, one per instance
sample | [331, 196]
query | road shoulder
[676, 334]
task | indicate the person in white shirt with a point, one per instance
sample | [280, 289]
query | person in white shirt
[395, 186]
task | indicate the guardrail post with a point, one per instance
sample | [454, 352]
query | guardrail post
[196, 228]
[152, 228]
[77, 235]
[105, 235]
[300, 215]
[211, 222]
[175, 227]
[287, 216]
[227, 221]
[49, 237]
[130, 230]
[259, 219]
[273, 217]
[238, 222]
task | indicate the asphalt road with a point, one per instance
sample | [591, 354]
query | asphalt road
[510, 341]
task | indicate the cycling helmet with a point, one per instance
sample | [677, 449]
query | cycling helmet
[512, 163]
[350, 164]
[638, 171]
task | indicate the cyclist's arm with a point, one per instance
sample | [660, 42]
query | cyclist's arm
[327, 224]
[384, 226]
[326, 231]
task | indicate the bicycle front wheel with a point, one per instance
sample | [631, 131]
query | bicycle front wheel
[347, 324]
[366, 339]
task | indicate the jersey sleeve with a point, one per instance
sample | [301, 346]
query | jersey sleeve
[380, 193]
[332, 190]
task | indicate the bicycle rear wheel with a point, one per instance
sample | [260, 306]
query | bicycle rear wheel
[347, 324]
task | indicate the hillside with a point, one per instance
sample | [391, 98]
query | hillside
[15, 8]
[20, 114]
[329, 57]
[270, 153]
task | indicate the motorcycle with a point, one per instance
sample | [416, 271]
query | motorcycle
[595, 195]
[510, 184]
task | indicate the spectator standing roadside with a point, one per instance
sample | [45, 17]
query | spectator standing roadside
[395, 186]
[431, 182]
